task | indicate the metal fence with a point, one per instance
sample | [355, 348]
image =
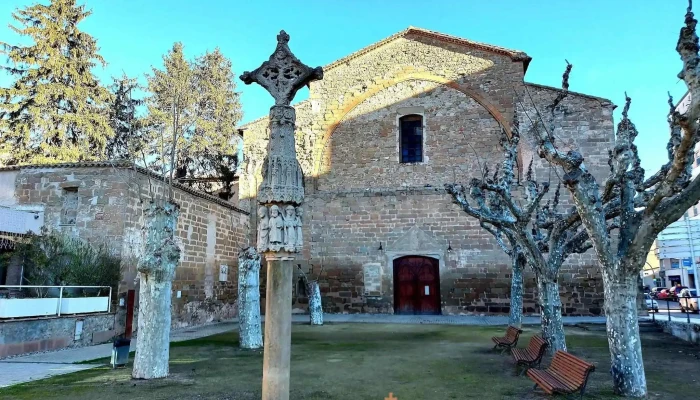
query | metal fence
[680, 308]
[47, 301]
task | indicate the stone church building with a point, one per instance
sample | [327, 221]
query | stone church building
[378, 138]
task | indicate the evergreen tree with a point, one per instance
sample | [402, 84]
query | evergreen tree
[171, 111]
[218, 112]
[127, 142]
[195, 102]
[56, 110]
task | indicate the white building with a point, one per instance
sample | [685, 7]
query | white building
[678, 244]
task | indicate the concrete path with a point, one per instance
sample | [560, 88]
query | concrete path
[43, 365]
[438, 319]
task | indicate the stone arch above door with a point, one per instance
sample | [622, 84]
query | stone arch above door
[354, 100]
[415, 242]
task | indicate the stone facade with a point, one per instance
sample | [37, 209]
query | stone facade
[103, 202]
[364, 208]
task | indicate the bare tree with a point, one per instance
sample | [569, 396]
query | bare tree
[314, 293]
[156, 273]
[647, 206]
[540, 233]
[161, 253]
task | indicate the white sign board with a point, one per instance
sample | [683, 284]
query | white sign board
[223, 273]
[16, 221]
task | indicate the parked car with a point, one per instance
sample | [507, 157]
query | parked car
[664, 294]
[652, 305]
[655, 291]
[675, 291]
[688, 300]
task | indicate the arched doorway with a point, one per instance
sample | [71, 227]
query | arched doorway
[416, 285]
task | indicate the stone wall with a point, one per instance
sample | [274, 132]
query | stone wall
[28, 336]
[346, 229]
[358, 195]
[690, 332]
[210, 233]
[109, 208]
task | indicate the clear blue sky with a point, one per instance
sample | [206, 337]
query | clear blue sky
[615, 46]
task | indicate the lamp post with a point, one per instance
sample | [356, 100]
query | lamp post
[280, 197]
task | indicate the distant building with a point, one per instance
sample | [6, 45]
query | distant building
[676, 245]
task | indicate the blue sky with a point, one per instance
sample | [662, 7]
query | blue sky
[615, 46]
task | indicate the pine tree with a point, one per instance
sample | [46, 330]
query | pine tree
[195, 102]
[218, 112]
[127, 142]
[56, 110]
[171, 111]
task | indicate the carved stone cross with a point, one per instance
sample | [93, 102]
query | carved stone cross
[279, 213]
[283, 74]
[282, 190]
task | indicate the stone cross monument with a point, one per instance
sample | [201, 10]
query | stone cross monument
[279, 213]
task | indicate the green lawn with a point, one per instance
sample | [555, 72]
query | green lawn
[367, 361]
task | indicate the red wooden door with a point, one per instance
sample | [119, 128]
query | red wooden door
[130, 302]
[416, 285]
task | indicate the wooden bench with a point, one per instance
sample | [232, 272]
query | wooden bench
[531, 355]
[509, 340]
[567, 374]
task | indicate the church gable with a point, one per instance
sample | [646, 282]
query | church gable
[438, 39]
[348, 130]
[413, 54]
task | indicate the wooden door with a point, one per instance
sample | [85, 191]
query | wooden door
[416, 285]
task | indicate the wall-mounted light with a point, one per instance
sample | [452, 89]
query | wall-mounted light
[449, 247]
[380, 247]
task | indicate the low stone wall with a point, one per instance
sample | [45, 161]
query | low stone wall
[33, 335]
[690, 332]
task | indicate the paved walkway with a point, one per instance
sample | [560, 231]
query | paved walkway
[439, 319]
[43, 365]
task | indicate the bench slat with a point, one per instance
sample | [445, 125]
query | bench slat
[566, 374]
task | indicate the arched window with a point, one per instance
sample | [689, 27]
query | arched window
[411, 138]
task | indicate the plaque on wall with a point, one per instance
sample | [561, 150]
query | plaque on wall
[372, 274]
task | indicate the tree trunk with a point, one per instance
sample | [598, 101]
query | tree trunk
[249, 325]
[623, 331]
[516, 292]
[156, 271]
[550, 310]
[315, 306]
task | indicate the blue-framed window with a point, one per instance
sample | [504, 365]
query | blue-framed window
[411, 138]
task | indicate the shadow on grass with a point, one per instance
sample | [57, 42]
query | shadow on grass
[366, 361]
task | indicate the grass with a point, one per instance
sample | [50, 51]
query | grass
[367, 361]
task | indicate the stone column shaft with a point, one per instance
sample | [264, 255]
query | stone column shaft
[278, 329]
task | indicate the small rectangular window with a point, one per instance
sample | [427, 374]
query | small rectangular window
[69, 211]
[411, 138]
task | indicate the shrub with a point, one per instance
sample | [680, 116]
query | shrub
[55, 259]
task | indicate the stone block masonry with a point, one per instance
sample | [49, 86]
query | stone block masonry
[108, 205]
[360, 195]
[34, 335]
[474, 274]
